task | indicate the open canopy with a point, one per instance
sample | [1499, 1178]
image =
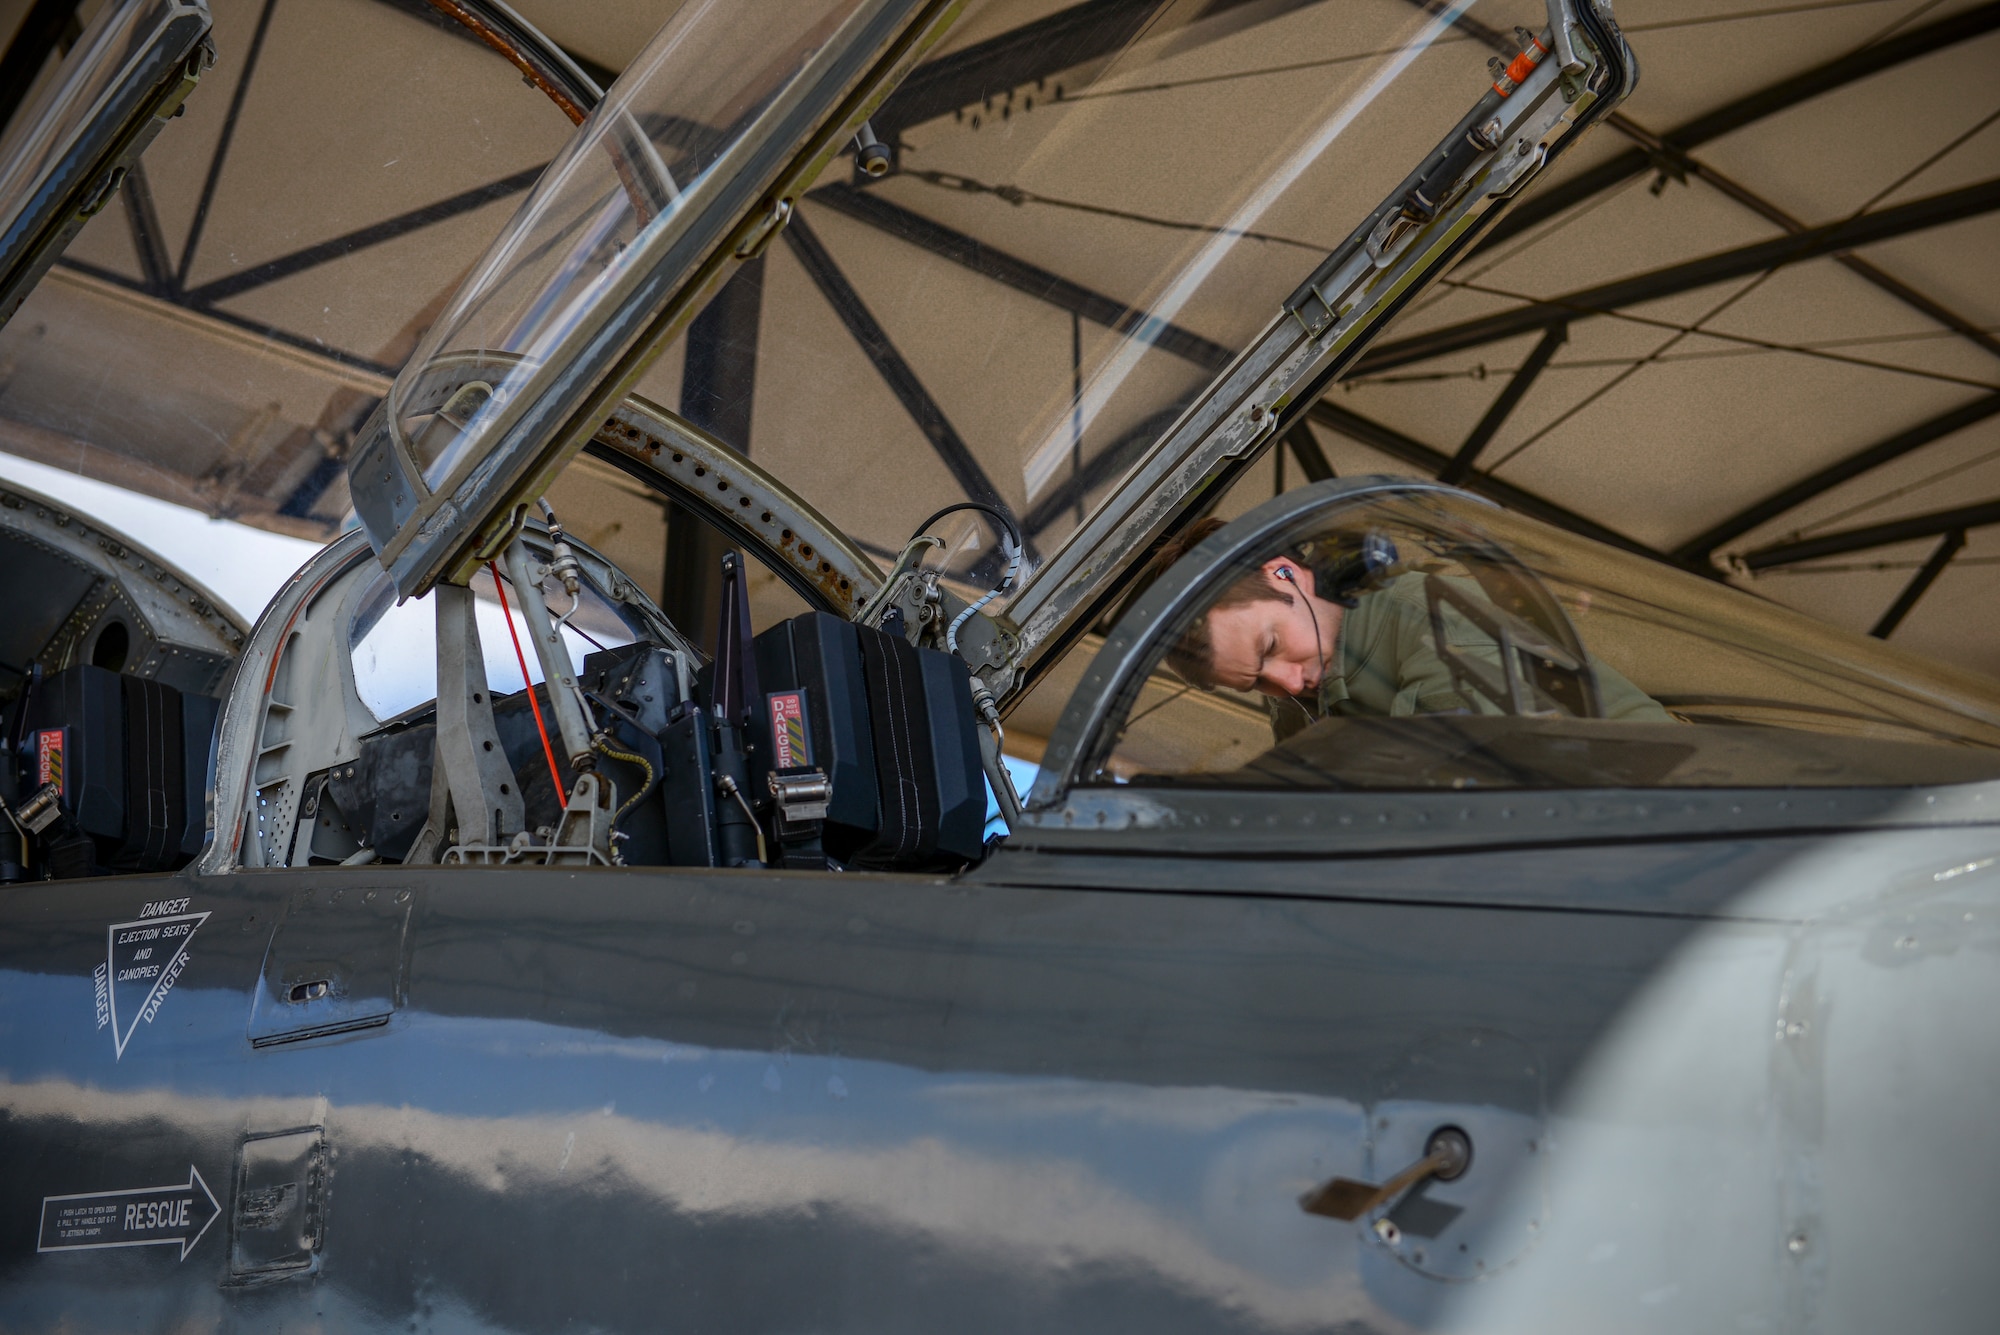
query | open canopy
[567, 306]
[220, 332]
[69, 148]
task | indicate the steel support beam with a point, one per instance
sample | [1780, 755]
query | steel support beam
[1697, 550]
[1873, 536]
[1115, 458]
[222, 141]
[1815, 82]
[1399, 446]
[374, 234]
[1031, 279]
[889, 364]
[1503, 407]
[147, 238]
[719, 378]
[1034, 51]
[1884, 224]
[1063, 40]
[991, 262]
[1864, 269]
[1305, 448]
[1919, 586]
[1100, 468]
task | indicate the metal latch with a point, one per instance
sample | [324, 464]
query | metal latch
[40, 811]
[766, 227]
[1447, 1154]
[802, 797]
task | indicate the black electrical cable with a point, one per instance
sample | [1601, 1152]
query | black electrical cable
[1319, 645]
[994, 512]
[566, 625]
[1011, 544]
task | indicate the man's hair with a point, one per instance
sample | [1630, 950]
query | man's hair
[1193, 655]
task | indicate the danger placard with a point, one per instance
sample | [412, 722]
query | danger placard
[144, 959]
[791, 742]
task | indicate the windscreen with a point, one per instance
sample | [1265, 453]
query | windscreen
[1084, 217]
[1419, 640]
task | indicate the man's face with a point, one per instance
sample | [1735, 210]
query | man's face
[1270, 645]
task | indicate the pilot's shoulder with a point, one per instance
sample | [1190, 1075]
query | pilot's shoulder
[1403, 593]
[1392, 610]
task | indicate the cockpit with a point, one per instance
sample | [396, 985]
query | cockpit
[548, 712]
[1400, 636]
[461, 679]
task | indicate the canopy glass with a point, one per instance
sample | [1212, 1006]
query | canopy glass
[103, 59]
[1410, 639]
[698, 89]
[70, 145]
[1082, 226]
[630, 223]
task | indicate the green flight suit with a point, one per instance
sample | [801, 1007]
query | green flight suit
[1389, 668]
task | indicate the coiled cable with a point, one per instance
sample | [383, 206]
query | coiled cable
[1010, 542]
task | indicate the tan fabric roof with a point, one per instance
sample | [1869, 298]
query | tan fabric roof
[373, 153]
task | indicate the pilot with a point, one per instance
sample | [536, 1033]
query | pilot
[1273, 632]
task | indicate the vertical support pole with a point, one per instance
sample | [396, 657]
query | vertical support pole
[737, 704]
[557, 671]
[718, 387]
[485, 796]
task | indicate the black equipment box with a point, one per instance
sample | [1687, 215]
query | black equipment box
[892, 728]
[130, 759]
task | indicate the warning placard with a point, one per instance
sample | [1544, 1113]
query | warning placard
[145, 958]
[791, 741]
[173, 1216]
